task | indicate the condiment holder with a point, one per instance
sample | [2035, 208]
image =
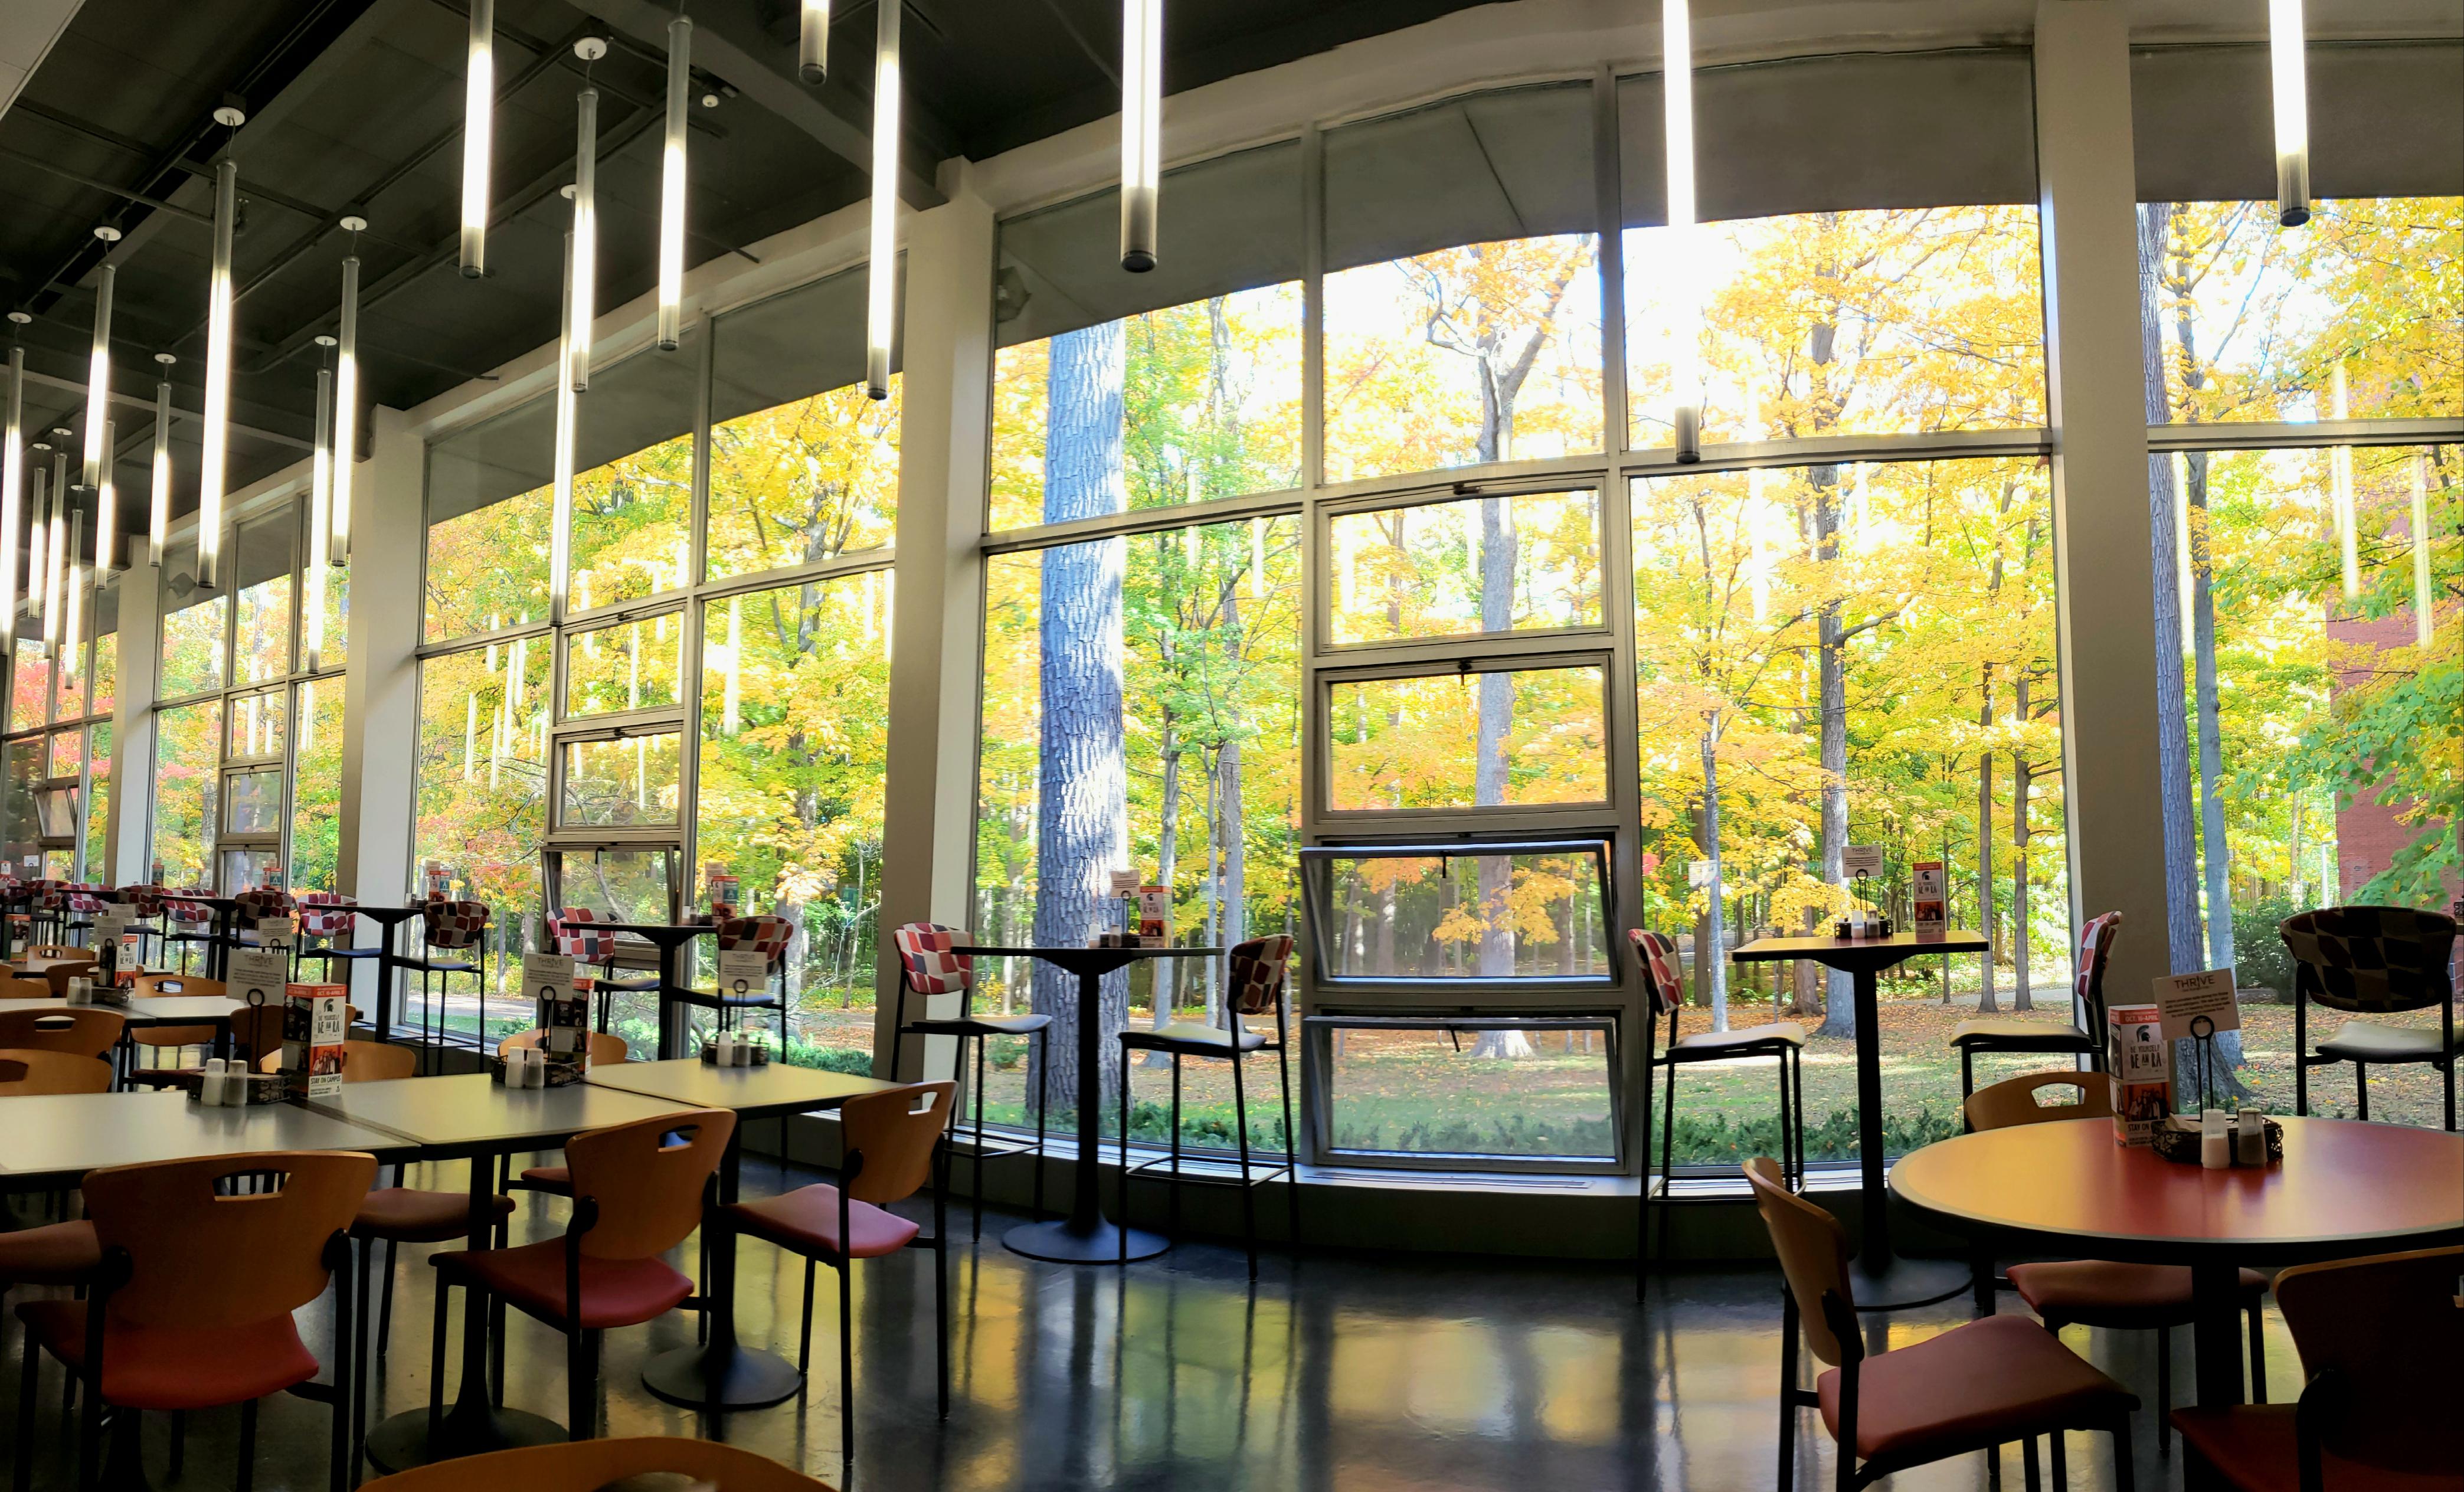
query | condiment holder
[2180, 1139]
[528, 1067]
[727, 1049]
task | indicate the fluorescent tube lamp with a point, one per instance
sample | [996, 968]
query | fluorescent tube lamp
[561, 518]
[74, 602]
[320, 513]
[107, 508]
[2340, 463]
[672, 187]
[881, 309]
[157, 519]
[346, 401]
[37, 535]
[97, 378]
[12, 487]
[1142, 129]
[1685, 354]
[215, 443]
[813, 43]
[584, 270]
[478, 109]
[2285, 47]
[2421, 612]
[55, 545]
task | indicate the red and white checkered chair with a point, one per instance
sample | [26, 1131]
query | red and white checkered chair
[2022, 1034]
[927, 967]
[332, 920]
[1254, 986]
[145, 902]
[191, 922]
[577, 938]
[769, 937]
[81, 899]
[454, 941]
[258, 904]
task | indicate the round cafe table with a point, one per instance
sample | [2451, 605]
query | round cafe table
[2064, 1188]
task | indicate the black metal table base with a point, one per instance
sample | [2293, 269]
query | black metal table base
[747, 1378]
[1067, 1242]
[1901, 1282]
[402, 1441]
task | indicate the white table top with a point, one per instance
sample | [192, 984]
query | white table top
[161, 1010]
[471, 1113]
[774, 1088]
[52, 1139]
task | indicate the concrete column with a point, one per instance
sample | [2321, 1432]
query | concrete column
[128, 831]
[936, 633]
[2088, 200]
[381, 681]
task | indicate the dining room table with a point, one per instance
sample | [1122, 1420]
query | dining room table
[1883, 1279]
[164, 1010]
[1086, 1235]
[2066, 1188]
[55, 1138]
[675, 996]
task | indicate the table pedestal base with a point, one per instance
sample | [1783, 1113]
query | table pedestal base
[402, 1441]
[1901, 1282]
[1067, 1242]
[734, 1378]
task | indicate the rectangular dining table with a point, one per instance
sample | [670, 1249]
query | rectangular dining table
[53, 1139]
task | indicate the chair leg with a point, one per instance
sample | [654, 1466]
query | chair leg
[805, 1347]
[1787, 1481]
[846, 1365]
[2031, 1475]
[2362, 1088]
[1171, 1216]
[2123, 1471]
[1248, 1197]
[2258, 1354]
[247, 1445]
[580, 1402]
[1292, 1143]
[1667, 1145]
[22, 1476]
[1123, 1209]
[2165, 1390]
[385, 1313]
[2058, 1453]
[975, 1230]
[437, 1363]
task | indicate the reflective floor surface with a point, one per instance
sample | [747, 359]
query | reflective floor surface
[1352, 1371]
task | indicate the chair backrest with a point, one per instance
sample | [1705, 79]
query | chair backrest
[2015, 1101]
[186, 912]
[86, 896]
[58, 950]
[145, 898]
[27, 1071]
[2377, 959]
[587, 1465]
[1813, 1254]
[2391, 1326]
[362, 1062]
[926, 966]
[455, 924]
[149, 986]
[575, 937]
[607, 1048]
[14, 987]
[201, 1259]
[259, 902]
[894, 1131]
[79, 1029]
[762, 933]
[1658, 958]
[2087, 981]
[1257, 970]
[649, 1192]
[327, 914]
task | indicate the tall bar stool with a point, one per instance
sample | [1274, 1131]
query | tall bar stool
[332, 920]
[2017, 1034]
[144, 901]
[450, 928]
[83, 899]
[2372, 960]
[926, 968]
[1255, 987]
[1784, 1040]
[189, 924]
[258, 904]
[577, 938]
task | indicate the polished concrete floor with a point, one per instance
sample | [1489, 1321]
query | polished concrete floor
[1351, 1371]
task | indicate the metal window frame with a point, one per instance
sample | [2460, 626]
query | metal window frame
[1317, 1059]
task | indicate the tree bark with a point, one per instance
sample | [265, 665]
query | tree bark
[1985, 1004]
[1497, 559]
[2021, 774]
[1840, 999]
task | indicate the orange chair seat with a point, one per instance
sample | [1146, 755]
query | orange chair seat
[2094, 1292]
[556, 1181]
[615, 1292]
[807, 1221]
[1990, 1381]
[166, 1368]
[2252, 1446]
[62, 1253]
[402, 1215]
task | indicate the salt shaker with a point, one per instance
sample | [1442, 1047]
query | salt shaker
[2215, 1151]
[209, 1089]
[2250, 1140]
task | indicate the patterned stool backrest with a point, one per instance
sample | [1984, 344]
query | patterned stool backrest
[260, 902]
[576, 939]
[926, 966]
[327, 914]
[1257, 969]
[1658, 958]
[455, 924]
[146, 900]
[190, 913]
[2095, 950]
[48, 896]
[762, 933]
[84, 898]
[2377, 959]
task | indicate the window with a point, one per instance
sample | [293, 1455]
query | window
[316, 787]
[187, 782]
[621, 782]
[490, 508]
[635, 665]
[1471, 737]
[1469, 909]
[192, 649]
[30, 684]
[59, 787]
[1420, 569]
[632, 488]
[261, 639]
[482, 786]
[1405, 1091]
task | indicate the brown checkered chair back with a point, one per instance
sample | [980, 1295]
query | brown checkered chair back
[2374, 961]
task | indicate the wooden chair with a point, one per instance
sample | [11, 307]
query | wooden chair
[893, 1149]
[59, 975]
[2084, 1038]
[58, 950]
[605, 1050]
[2372, 960]
[14, 986]
[927, 970]
[24, 1073]
[79, 1029]
[2380, 1339]
[141, 1336]
[161, 986]
[587, 1465]
[362, 1062]
[1976, 1387]
[2097, 1292]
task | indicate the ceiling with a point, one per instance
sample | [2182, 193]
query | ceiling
[355, 106]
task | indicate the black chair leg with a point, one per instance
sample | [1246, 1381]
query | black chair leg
[384, 1313]
[22, 1476]
[1291, 1144]
[2258, 1354]
[1248, 1197]
[1123, 1208]
[804, 1346]
[2123, 1472]
[247, 1445]
[1171, 1201]
[1667, 1147]
[976, 1227]
[2165, 1390]
[846, 1365]
[2362, 1088]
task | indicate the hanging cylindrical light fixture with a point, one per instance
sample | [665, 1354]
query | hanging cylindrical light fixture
[2423, 622]
[38, 532]
[478, 128]
[1142, 129]
[813, 43]
[215, 443]
[881, 308]
[107, 507]
[56, 544]
[347, 400]
[2286, 52]
[157, 518]
[13, 488]
[321, 516]
[582, 309]
[672, 185]
[73, 600]
[98, 377]
[1684, 351]
[560, 515]
[2339, 461]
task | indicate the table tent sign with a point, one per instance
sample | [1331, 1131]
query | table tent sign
[562, 1014]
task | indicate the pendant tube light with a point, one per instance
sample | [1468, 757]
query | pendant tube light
[107, 508]
[13, 488]
[55, 545]
[561, 516]
[321, 516]
[215, 442]
[38, 531]
[158, 517]
[2339, 460]
[75, 599]
[1142, 129]
[2422, 619]
[478, 130]
[1684, 352]
[347, 400]
[813, 43]
[672, 185]
[582, 309]
[881, 309]
[98, 377]
[2290, 73]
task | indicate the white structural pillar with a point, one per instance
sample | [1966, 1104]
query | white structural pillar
[936, 633]
[2088, 199]
[132, 728]
[381, 681]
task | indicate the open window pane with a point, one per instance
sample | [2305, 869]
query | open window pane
[256, 727]
[1483, 738]
[252, 802]
[317, 788]
[1470, 565]
[1423, 1089]
[619, 783]
[636, 664]
[57, 810]
[1523, 911]
[193, 647]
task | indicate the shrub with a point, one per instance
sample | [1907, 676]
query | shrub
[2259, 955]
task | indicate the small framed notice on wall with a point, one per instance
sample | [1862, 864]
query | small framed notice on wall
[1928, 905]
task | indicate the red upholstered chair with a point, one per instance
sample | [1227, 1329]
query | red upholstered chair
[893, 1149]
[2088, 1292]
[152, 1339]
[2020, 1034]
[2380, 1339]
[636, 1195]
[1974, 1387]
[927, 969]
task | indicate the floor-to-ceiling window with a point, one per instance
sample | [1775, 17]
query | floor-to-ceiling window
[57, 789]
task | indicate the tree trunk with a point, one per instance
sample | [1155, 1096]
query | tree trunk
[1164, 985]
[2021, 774]
[1710, 954]
[1081, 772]
[1985, 1004]
[1839, 1001]
[1497, 558]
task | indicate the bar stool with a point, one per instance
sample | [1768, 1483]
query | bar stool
[1784, 1040]
[769, 937]
[83, 899]
[451, 927]
[260, 904]
[190, 924]
[334, 919]
[2017, 1034]
[1255, 987]
[926, 968]
[576, 939]
[144, 900]
[2372, 960]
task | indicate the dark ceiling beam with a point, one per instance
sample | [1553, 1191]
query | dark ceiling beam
[1096, 55]
[253, 431]
[26, 158]
[741, 62]
[546, 53]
